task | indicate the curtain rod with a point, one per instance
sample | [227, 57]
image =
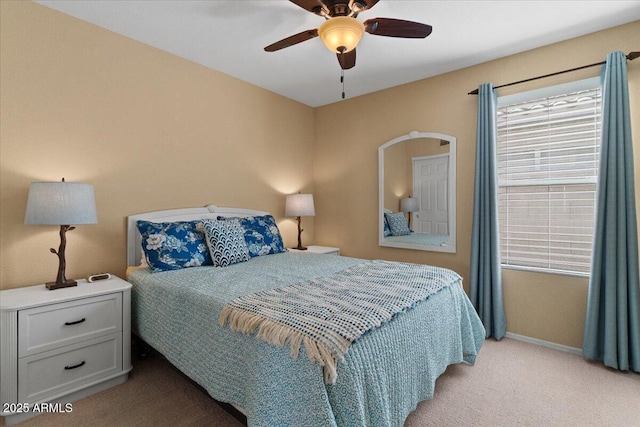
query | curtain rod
[630, 57]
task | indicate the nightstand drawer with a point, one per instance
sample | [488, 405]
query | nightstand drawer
[56, 325]
[52, 372]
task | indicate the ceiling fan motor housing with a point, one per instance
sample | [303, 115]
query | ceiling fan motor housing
[340, 10]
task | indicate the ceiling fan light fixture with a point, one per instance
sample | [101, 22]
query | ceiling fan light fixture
[341, 34]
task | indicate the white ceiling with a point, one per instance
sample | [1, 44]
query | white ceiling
[229, 36]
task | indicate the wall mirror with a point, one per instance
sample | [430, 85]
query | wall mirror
[417, 182]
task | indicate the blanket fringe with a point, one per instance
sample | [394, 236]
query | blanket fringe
[278, 334]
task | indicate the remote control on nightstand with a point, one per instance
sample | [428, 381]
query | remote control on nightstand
[96, 277]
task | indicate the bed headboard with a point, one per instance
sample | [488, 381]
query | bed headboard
[134, 240]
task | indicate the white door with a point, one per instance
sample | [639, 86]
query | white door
[430, 186]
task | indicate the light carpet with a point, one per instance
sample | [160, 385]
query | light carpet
[512, 384]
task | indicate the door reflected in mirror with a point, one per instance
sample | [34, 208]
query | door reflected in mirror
[417, 175]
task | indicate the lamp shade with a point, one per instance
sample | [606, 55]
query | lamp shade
[341, 34]
[60, 203]
[299, 205]
[409, 204]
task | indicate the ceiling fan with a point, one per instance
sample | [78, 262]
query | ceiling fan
[341, 31]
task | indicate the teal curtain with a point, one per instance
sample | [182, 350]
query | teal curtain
[486, 274]
[612, 327]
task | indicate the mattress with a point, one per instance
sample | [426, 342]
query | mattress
[382, 377]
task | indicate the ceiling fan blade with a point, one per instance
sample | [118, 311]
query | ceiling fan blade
[313, 6]
[291, 40]
[347, 60]
[397, 28]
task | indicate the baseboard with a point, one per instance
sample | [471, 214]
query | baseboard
[560, 347]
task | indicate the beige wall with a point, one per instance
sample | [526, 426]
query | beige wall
[396, 184]
[149, 130]
[153, 131]
[544, 306]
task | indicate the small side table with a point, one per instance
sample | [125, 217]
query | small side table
[327, 250]
[60, 346]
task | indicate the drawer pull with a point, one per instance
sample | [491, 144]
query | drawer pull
[74, 366]
[75, 323]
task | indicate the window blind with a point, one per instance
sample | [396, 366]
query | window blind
[547, 153]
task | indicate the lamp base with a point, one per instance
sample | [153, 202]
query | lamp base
[300, 230]
[55, 285]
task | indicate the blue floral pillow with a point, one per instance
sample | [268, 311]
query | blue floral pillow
[226, 242]
[261, 235]
[174, 245]
[397, 224]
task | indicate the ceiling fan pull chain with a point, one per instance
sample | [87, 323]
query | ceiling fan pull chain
[342, 81]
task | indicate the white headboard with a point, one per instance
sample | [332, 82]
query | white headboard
[134, 240]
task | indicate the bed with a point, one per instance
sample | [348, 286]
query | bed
[421, 239]
[407, 235]
[380, 379]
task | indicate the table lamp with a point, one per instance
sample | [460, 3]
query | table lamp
[299, 205]
[61, 203]
[409, 204]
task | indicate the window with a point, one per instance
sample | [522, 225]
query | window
[548, 146]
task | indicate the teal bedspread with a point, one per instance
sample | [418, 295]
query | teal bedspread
[384, 374]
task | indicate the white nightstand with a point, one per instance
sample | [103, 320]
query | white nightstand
[327, 250]
[62, 345]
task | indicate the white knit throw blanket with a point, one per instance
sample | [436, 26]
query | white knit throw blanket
[329, 313]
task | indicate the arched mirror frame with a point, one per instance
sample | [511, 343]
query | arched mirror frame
[451, 247]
